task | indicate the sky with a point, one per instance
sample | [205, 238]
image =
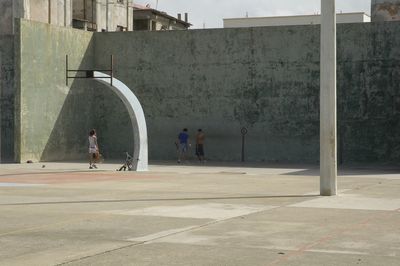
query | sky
[209, 13]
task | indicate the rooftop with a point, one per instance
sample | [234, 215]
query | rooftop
[299, 16]
[141, 8]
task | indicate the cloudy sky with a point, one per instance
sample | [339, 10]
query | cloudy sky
[209, 13]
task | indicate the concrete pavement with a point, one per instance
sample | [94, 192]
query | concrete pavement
[66, 214]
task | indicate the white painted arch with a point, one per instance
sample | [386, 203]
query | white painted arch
[136, 114]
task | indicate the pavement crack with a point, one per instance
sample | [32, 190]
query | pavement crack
[190, 229]
[159, 199]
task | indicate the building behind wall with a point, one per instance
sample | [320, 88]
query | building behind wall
[357, 17]
[385, 10]
[146, 18]
[122, 15]
[46, 11]
[103, 15]
[92, 15]
[381, 10]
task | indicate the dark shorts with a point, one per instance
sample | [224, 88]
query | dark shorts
[199, 150]
[94, 156]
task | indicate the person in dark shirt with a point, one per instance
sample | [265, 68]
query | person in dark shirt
[182, 144]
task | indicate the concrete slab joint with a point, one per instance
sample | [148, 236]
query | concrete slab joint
[136, 115]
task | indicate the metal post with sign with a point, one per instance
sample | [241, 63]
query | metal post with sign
[244, 132]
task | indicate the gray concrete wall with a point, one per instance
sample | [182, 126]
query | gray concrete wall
[6, 17]
[53, 120]
[6, 98]
[266, 79]
[369, 92]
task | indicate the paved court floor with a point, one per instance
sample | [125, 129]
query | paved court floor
[66, 214]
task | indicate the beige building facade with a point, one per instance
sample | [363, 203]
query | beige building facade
[55, 12]
[103, 15]
[146, 18]
[92, 15]
[358, 17]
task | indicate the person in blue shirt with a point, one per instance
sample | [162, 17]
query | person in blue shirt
[182, 144]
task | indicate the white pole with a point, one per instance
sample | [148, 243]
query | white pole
[328, 117]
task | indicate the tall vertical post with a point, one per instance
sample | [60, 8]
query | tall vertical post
[99, 15]
[84, 10]
[65, 13]
[127, 15]
[112, 69]
[244, 132]
[92, 6]
[328, 117]
[107, 15]
[66, 70]
[49, 14]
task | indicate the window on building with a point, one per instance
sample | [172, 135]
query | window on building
[140, 24]
[120, 1]
[121, 28]
[153, 25]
